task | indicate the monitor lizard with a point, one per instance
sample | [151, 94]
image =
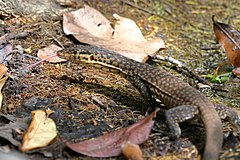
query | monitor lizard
[184, 102]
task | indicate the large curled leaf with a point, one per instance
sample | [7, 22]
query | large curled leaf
[89, 26]
[229, 38]
[111, 143]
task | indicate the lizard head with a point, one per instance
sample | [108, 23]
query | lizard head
[76, 56]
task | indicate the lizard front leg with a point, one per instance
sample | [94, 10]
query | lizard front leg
[179, 114]
[142, 88]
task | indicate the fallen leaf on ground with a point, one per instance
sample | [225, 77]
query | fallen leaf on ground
[229, 38]
[110, 144]
[236, 72]
[5, 53]
[2, 82]
[49, 51]
[3, 70]
[132, 151]
[89, 26]
[40, 132]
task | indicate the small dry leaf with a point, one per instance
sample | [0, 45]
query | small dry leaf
[110, 144]
[2, 82]
[5, 48]
[3, 70]
[132, 151]
[89, 26]
[49, 51]
[5, 53]
[40, 132]
[236, 72]
[229, 38]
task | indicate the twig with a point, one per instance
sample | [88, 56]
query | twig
[209, 47]
[182, 65]
[191, 72]
[5, 38]
[30, 56]
[54, 38]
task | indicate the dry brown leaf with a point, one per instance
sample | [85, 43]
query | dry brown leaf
[229, 38]
[3, 70]
[2, 82]
[132, 151]
[236, 72]
[87, 21]
[110, 144]
[5, 53]
[40, 132]
[49, 51]
[89, 26]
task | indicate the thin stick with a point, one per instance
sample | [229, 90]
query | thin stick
[5, 38]
[54, 38]
[191, 72]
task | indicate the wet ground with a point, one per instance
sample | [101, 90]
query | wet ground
[82, 96]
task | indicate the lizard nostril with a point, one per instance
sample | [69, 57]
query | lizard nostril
[91, 57]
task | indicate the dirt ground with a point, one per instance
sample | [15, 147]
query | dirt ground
[82, 96]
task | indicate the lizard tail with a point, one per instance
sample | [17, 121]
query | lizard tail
[214, 132]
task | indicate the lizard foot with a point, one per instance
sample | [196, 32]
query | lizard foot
[177, 115]
[226, 112]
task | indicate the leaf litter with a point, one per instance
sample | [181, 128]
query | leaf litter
[15, 125]
[40, 87]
